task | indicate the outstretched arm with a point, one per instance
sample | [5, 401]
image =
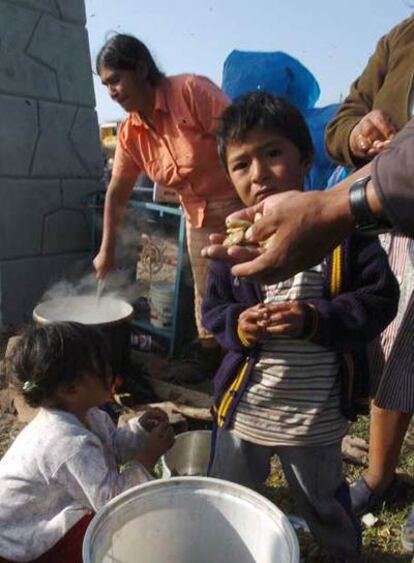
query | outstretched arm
[124, 174]
[116, 200]
[300, 229]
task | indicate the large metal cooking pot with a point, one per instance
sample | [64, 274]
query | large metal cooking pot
[111, 315]
[190, 520]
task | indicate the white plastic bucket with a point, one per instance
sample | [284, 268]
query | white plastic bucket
[161, 301]
[190, 520]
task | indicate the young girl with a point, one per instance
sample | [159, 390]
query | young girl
[63, 466]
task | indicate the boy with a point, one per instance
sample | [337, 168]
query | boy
[295, 347]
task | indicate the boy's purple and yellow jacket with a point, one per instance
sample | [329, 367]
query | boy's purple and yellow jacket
[360, 300]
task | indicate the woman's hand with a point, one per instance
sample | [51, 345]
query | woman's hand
[286, 319]
[152, 418]
[371, 135]
[116, 200]
[252, 323]
[103, 263]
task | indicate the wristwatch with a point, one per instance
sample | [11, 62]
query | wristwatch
[365, 220]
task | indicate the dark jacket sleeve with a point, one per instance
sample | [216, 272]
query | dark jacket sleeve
[220, 309]
[393, 178]
[366, 307]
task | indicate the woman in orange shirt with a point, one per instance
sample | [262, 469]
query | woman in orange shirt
[170, 135]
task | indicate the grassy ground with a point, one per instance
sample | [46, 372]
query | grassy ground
[381, 543]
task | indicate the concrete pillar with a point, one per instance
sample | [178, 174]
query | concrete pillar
[50, 157]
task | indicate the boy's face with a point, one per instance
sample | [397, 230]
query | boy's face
[265, 163]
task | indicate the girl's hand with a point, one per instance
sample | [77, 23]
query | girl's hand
[286, 319]
[371, 135]
[152, 418]
[252, 323]
[159, 440]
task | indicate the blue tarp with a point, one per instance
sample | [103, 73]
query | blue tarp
[278, 73]
[283, 75]
[317, 119]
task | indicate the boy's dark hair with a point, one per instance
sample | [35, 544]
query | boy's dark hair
[51, 356]
[124, 52]
[264, 111]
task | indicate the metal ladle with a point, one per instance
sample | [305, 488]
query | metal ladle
[99, 289]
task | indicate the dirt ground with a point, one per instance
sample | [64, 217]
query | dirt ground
[381, 543]
[9, 428]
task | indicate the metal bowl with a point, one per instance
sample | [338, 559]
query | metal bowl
[189, 456]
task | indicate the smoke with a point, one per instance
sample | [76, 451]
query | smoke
[117, 284]
[122, 283]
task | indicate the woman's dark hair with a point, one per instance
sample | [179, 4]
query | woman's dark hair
[264, 111]
[48, 357]
[125, 52]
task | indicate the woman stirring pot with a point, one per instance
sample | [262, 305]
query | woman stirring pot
[169, 135]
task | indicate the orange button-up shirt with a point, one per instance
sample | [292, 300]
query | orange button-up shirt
[178, 149]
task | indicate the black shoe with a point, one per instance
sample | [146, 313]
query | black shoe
[363, 498]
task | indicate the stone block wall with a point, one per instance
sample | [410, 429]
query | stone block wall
[50, 157]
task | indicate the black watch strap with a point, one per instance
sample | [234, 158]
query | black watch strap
[365, 220]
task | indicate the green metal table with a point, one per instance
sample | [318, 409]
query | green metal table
[169, 334]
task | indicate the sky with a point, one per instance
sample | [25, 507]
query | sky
[333, 39]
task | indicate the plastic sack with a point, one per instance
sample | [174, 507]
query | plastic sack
[275, 72]
[317, 119]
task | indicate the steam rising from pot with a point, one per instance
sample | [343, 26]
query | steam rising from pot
[84, 309]
[120, 285]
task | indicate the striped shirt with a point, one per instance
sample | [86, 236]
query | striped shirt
[400, 255]
[391, 356]
[294, 395]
